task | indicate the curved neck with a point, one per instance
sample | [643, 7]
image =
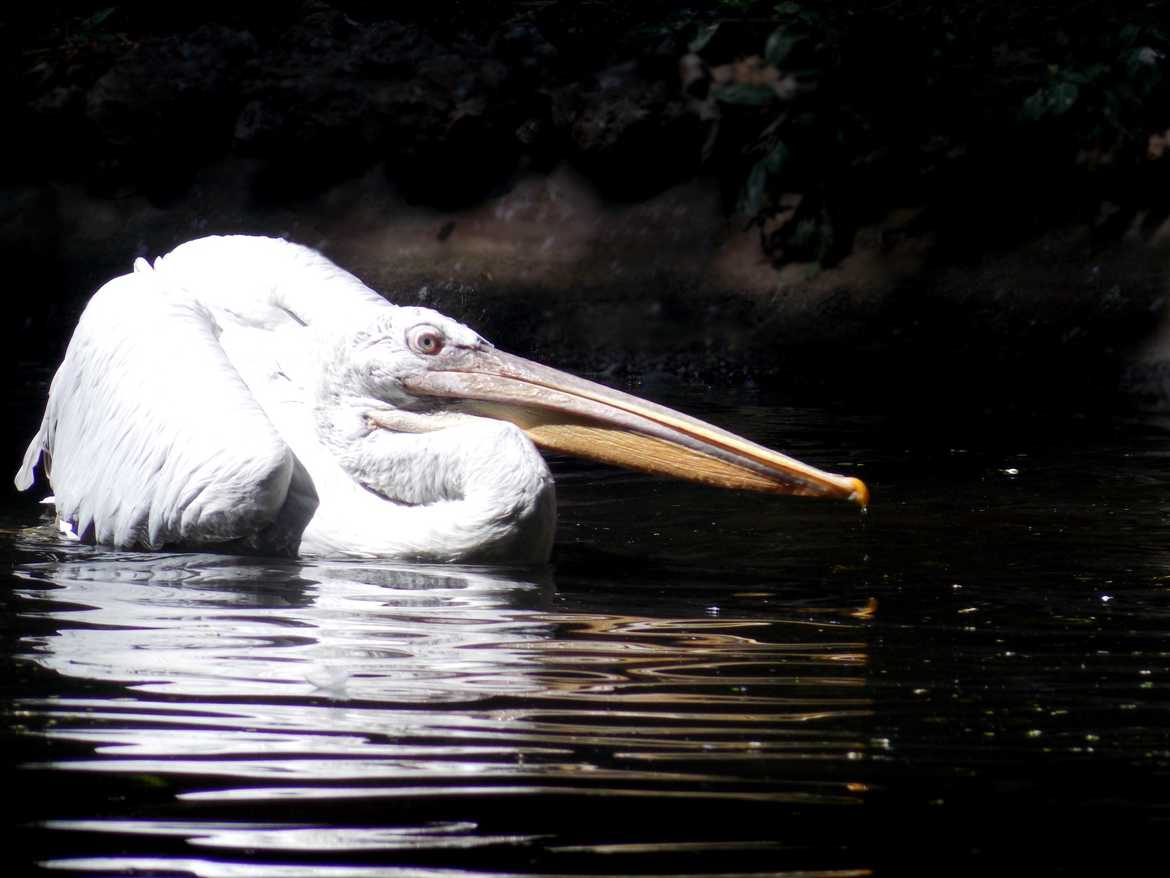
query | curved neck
[478, 491]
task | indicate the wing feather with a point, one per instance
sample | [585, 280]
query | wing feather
[268, 283]
[152, 437]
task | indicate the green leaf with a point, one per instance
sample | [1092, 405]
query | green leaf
[751, 198]
[779, 46]
[1033, 107]
[806, 236]
[775, 161]
[762, 176]
[745, 94]
[706, 32]
[1142, 63]
[98, 18]
[1095, 72]
[1062, 96]
[1054, 100]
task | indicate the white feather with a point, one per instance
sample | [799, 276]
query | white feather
[202, 401]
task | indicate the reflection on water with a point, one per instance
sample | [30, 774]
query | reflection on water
[238, 684]
[973, 679]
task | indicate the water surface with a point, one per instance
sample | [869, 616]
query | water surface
[973, 676]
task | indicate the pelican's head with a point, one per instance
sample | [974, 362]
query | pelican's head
[415, 370]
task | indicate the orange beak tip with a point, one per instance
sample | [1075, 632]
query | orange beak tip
[860, 494]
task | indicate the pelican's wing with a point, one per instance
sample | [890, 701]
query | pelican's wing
[151, 438]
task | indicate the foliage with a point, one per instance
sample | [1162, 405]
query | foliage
[787, 150]
[824, 113]
[1103, 98]
[895, 99]
[95, 31]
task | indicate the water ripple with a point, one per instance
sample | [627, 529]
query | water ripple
[231, 684]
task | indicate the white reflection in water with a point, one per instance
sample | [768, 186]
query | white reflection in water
[286, 837]
[249, 681]
[212, 626]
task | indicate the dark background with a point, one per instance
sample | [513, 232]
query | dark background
[951, 214]
[915, 203]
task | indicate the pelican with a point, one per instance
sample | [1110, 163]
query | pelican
[244, 394]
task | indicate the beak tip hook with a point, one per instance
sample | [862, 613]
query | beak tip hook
[860, 494]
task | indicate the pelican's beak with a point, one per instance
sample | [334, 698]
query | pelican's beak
[565, 413]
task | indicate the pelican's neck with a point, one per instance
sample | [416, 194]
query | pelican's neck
[474, 492]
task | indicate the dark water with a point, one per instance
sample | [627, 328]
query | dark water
[974, 677]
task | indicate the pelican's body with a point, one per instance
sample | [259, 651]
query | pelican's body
[247, 394]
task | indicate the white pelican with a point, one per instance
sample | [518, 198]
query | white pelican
[245, 394]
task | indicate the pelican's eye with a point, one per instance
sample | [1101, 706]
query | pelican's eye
[425, 340]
